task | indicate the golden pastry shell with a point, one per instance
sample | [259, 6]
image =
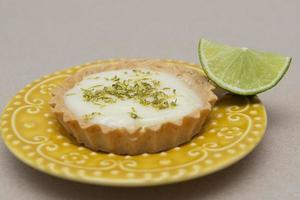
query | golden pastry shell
[150, 139]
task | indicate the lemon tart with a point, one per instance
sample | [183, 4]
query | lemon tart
[133, 107]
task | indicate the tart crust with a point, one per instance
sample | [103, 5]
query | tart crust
[150, 139]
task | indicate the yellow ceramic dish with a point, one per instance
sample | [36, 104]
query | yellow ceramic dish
[31, 132]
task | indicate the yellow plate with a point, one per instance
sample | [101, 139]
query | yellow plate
[30, 131]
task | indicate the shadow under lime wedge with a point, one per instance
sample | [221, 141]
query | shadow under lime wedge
[241, 70]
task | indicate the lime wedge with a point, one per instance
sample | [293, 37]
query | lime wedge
[241, 70]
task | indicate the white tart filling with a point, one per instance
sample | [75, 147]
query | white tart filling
[126, 112]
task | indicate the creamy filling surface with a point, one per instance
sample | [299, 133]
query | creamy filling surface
[131, 98]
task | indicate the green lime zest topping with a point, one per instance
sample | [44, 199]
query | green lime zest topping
[133, 113]
[88, 117]
[140, 88]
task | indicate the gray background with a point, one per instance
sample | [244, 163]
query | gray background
[40, 37]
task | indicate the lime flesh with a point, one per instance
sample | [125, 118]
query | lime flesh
[241, 70]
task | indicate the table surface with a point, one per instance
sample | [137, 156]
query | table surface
[40, 37]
